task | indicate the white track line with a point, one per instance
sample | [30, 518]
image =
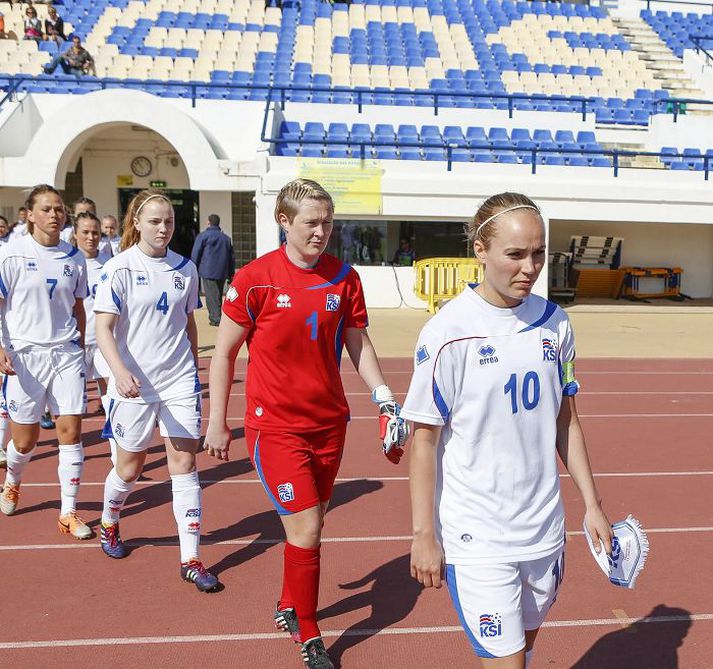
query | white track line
[269, 636]
[234, 481]
[239, 419]
[325, 540]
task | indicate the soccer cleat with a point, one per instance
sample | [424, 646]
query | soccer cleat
[9, 498]
[46, 422]
[286, 620]
[3, 458]
[71, 523]
[111, 542]
[315, 655]
[193, 571]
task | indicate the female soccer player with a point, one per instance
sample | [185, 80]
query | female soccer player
[43, 282]
[296, 307]
[492, 400]
[147, 334]
[87, 235]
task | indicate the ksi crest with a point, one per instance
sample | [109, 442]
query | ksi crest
[333, 302]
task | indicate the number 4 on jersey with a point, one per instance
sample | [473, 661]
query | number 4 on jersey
[162, 304]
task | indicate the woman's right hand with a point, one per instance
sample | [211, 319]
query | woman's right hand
[127, 385]
[5, 363]
[217, 440]
[427, 561]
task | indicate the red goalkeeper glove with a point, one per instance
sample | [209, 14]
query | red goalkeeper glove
[393, 430]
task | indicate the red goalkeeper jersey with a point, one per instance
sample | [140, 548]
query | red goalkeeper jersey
[296, 318]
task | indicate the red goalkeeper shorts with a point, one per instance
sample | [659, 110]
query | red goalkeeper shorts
[297, 470]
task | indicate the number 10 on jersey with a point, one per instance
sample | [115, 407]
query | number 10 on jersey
[529, 395]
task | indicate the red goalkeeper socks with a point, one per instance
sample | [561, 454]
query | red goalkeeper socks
[301, 583]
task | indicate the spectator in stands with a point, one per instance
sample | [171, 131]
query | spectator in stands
[3, 34]
[405, 255]
[213, 255]
[75, 60]
[53, 36]
[110, 235]
[54, 25]
[32, 25]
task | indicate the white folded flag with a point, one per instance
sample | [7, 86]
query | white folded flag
[630, 548]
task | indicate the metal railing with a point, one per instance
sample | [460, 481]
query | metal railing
[359, 96]
[697, 39]
[678, 2]
[449, 147]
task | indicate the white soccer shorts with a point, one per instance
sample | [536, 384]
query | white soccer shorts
[51, 377]
[132, 424]
[97, 367]
[497, 603]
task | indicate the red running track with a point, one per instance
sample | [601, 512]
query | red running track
[648, 425]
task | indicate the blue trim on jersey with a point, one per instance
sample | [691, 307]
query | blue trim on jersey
[258, 466]
[341, 275]
[107, 432]
[440, 402]
[250, 312]
[453, 590]
[549, 310]
[117, 299]
[3, 289]
[339, 342]
[74, 251]
[183, 263]
[4, 393]
[197, 384]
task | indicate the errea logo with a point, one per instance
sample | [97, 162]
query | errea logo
[283, 301]
[487, 354]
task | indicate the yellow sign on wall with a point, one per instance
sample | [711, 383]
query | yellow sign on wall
[355, 185]
[124, 180]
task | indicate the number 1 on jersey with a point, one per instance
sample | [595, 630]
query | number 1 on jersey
[162, 304]
[312, 322]
[530, 391]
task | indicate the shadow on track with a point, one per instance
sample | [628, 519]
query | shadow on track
[645, 645]
[392, 597]
[266, 526]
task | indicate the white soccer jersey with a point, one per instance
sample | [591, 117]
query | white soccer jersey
[39, 286]
[94, 271]
[494, 378]
[66, 233]
[152, 297]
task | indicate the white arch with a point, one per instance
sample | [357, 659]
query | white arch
[61, 136]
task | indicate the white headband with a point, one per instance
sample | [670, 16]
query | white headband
[150, 197]
[504, 211]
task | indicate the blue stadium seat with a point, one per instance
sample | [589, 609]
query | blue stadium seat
[386, 153]
[431, 136]
[410, 153]
[311, 151]
[313, 130]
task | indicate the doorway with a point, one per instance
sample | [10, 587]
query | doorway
[185, 206]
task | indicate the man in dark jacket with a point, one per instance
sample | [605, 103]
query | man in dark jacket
[213, 255]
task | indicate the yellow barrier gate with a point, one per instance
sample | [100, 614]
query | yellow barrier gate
[439, 279]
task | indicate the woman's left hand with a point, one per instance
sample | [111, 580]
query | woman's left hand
[599, 528]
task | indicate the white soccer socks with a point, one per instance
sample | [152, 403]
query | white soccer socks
[116, 490]
[187, 511]
[69, 472]
[16, 462]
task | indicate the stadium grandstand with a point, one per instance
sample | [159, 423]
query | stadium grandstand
[410, 111]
